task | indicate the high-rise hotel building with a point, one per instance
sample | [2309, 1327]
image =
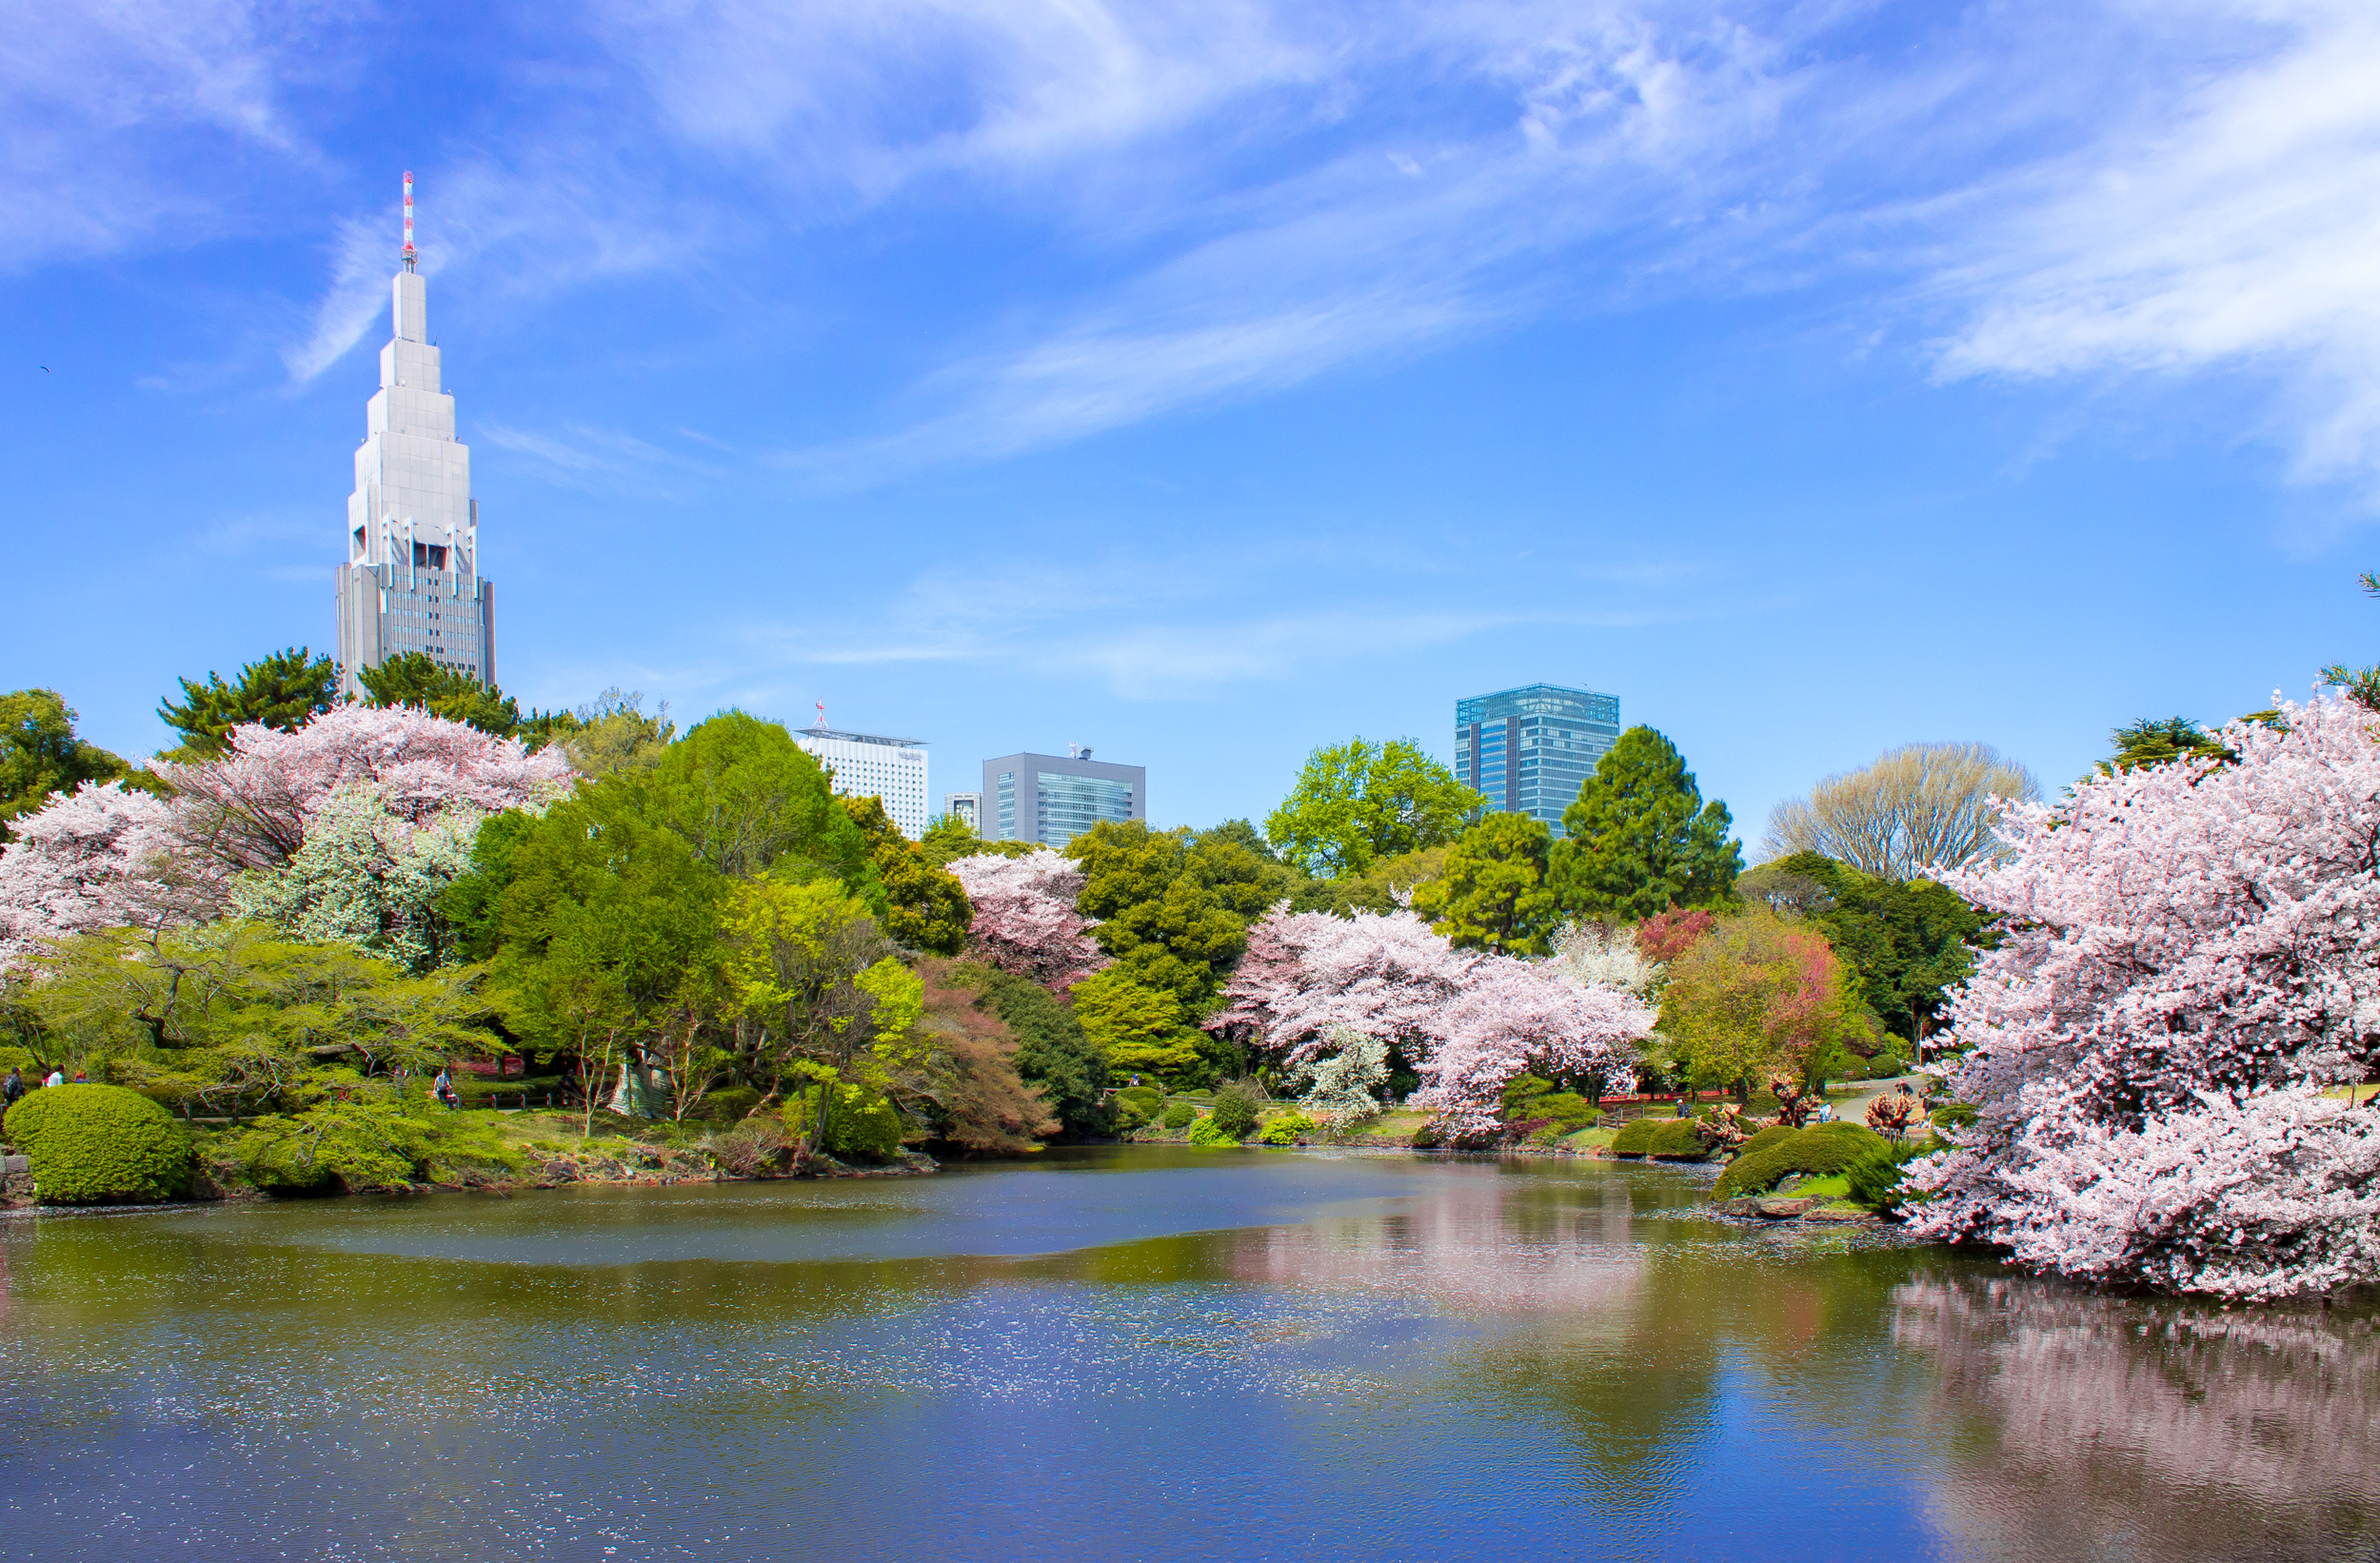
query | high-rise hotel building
[411, 581]
[1531, 749]
[870, 766]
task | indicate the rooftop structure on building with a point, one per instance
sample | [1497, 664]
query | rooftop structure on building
[1053, 800]
[872, 765]
[965, 808]
[411, 580]
[1531, 749]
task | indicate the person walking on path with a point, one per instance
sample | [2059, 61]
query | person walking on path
[11, 1089]
[443, 1089]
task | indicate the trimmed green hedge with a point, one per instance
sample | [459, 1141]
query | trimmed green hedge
[1667, 1139]
[1820, 1151]
[99, 1146]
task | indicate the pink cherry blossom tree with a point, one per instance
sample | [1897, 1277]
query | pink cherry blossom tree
[1380, 975]
[1026, 921]
[108, 858]
[101, 857]
[1471, 1023]
[1520, 1016]
[251, 809]
[2192, 954]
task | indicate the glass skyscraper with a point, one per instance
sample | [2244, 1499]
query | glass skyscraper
[1531, 749]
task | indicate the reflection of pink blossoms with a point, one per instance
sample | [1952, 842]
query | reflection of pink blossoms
[109, 858]
[1026, 922]
[2193, 950]
[1471, 1023]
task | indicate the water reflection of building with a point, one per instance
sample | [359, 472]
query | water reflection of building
[2146, 1429]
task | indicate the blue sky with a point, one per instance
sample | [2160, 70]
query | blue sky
[1206, 382]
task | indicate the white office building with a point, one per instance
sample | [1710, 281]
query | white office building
[411, 581]
[866, 765]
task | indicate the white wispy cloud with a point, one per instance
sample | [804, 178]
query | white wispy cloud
[1179, 627]
[113, 111]
[2236, 229]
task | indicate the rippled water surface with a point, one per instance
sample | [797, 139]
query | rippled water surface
[1139, 1352]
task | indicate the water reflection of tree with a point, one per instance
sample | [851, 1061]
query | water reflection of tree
[2086, 1425]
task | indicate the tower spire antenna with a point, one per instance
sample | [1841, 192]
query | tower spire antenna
[408, 219]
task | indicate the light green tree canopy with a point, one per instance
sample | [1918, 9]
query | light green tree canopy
[1357, 802]
[1492, 894]
[1638, 838]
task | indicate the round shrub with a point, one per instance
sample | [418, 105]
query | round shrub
[1180, 1115]
[99, 1146]
[1287, 1129]
[861, 1123]
[1820, 1151]
[1235, 1109]
[1148, 1099]
[1211, 1134]
[1665, 1138]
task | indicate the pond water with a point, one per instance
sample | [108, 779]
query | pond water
[1139, 1352]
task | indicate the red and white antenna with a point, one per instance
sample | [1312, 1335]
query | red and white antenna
[408, 219]
[822, 715]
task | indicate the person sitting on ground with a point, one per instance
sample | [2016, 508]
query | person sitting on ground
[57, 1076]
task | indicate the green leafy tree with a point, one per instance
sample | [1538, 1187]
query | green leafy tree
[1761, 992]
[1139, 1029]
[40, 755]
[283, 690]
[1639, 838]
[232, 1015]
[613, 734]
[1908, 942]
[925, 907]
[2156, 741]
[1174, 910]
[748, 800]
[607, 915]
[1493, 894]
[1356, 803]
[948, 839]
[1241, 833]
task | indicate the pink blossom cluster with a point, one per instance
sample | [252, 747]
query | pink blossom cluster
[2193, 953]
[106, 856]
[1471, 1023]
[1026, 921]
[98, 857]
[251, 809]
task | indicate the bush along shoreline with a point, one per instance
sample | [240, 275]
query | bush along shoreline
[99, 1146]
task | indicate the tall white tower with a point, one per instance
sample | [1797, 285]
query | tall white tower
[411, 581]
